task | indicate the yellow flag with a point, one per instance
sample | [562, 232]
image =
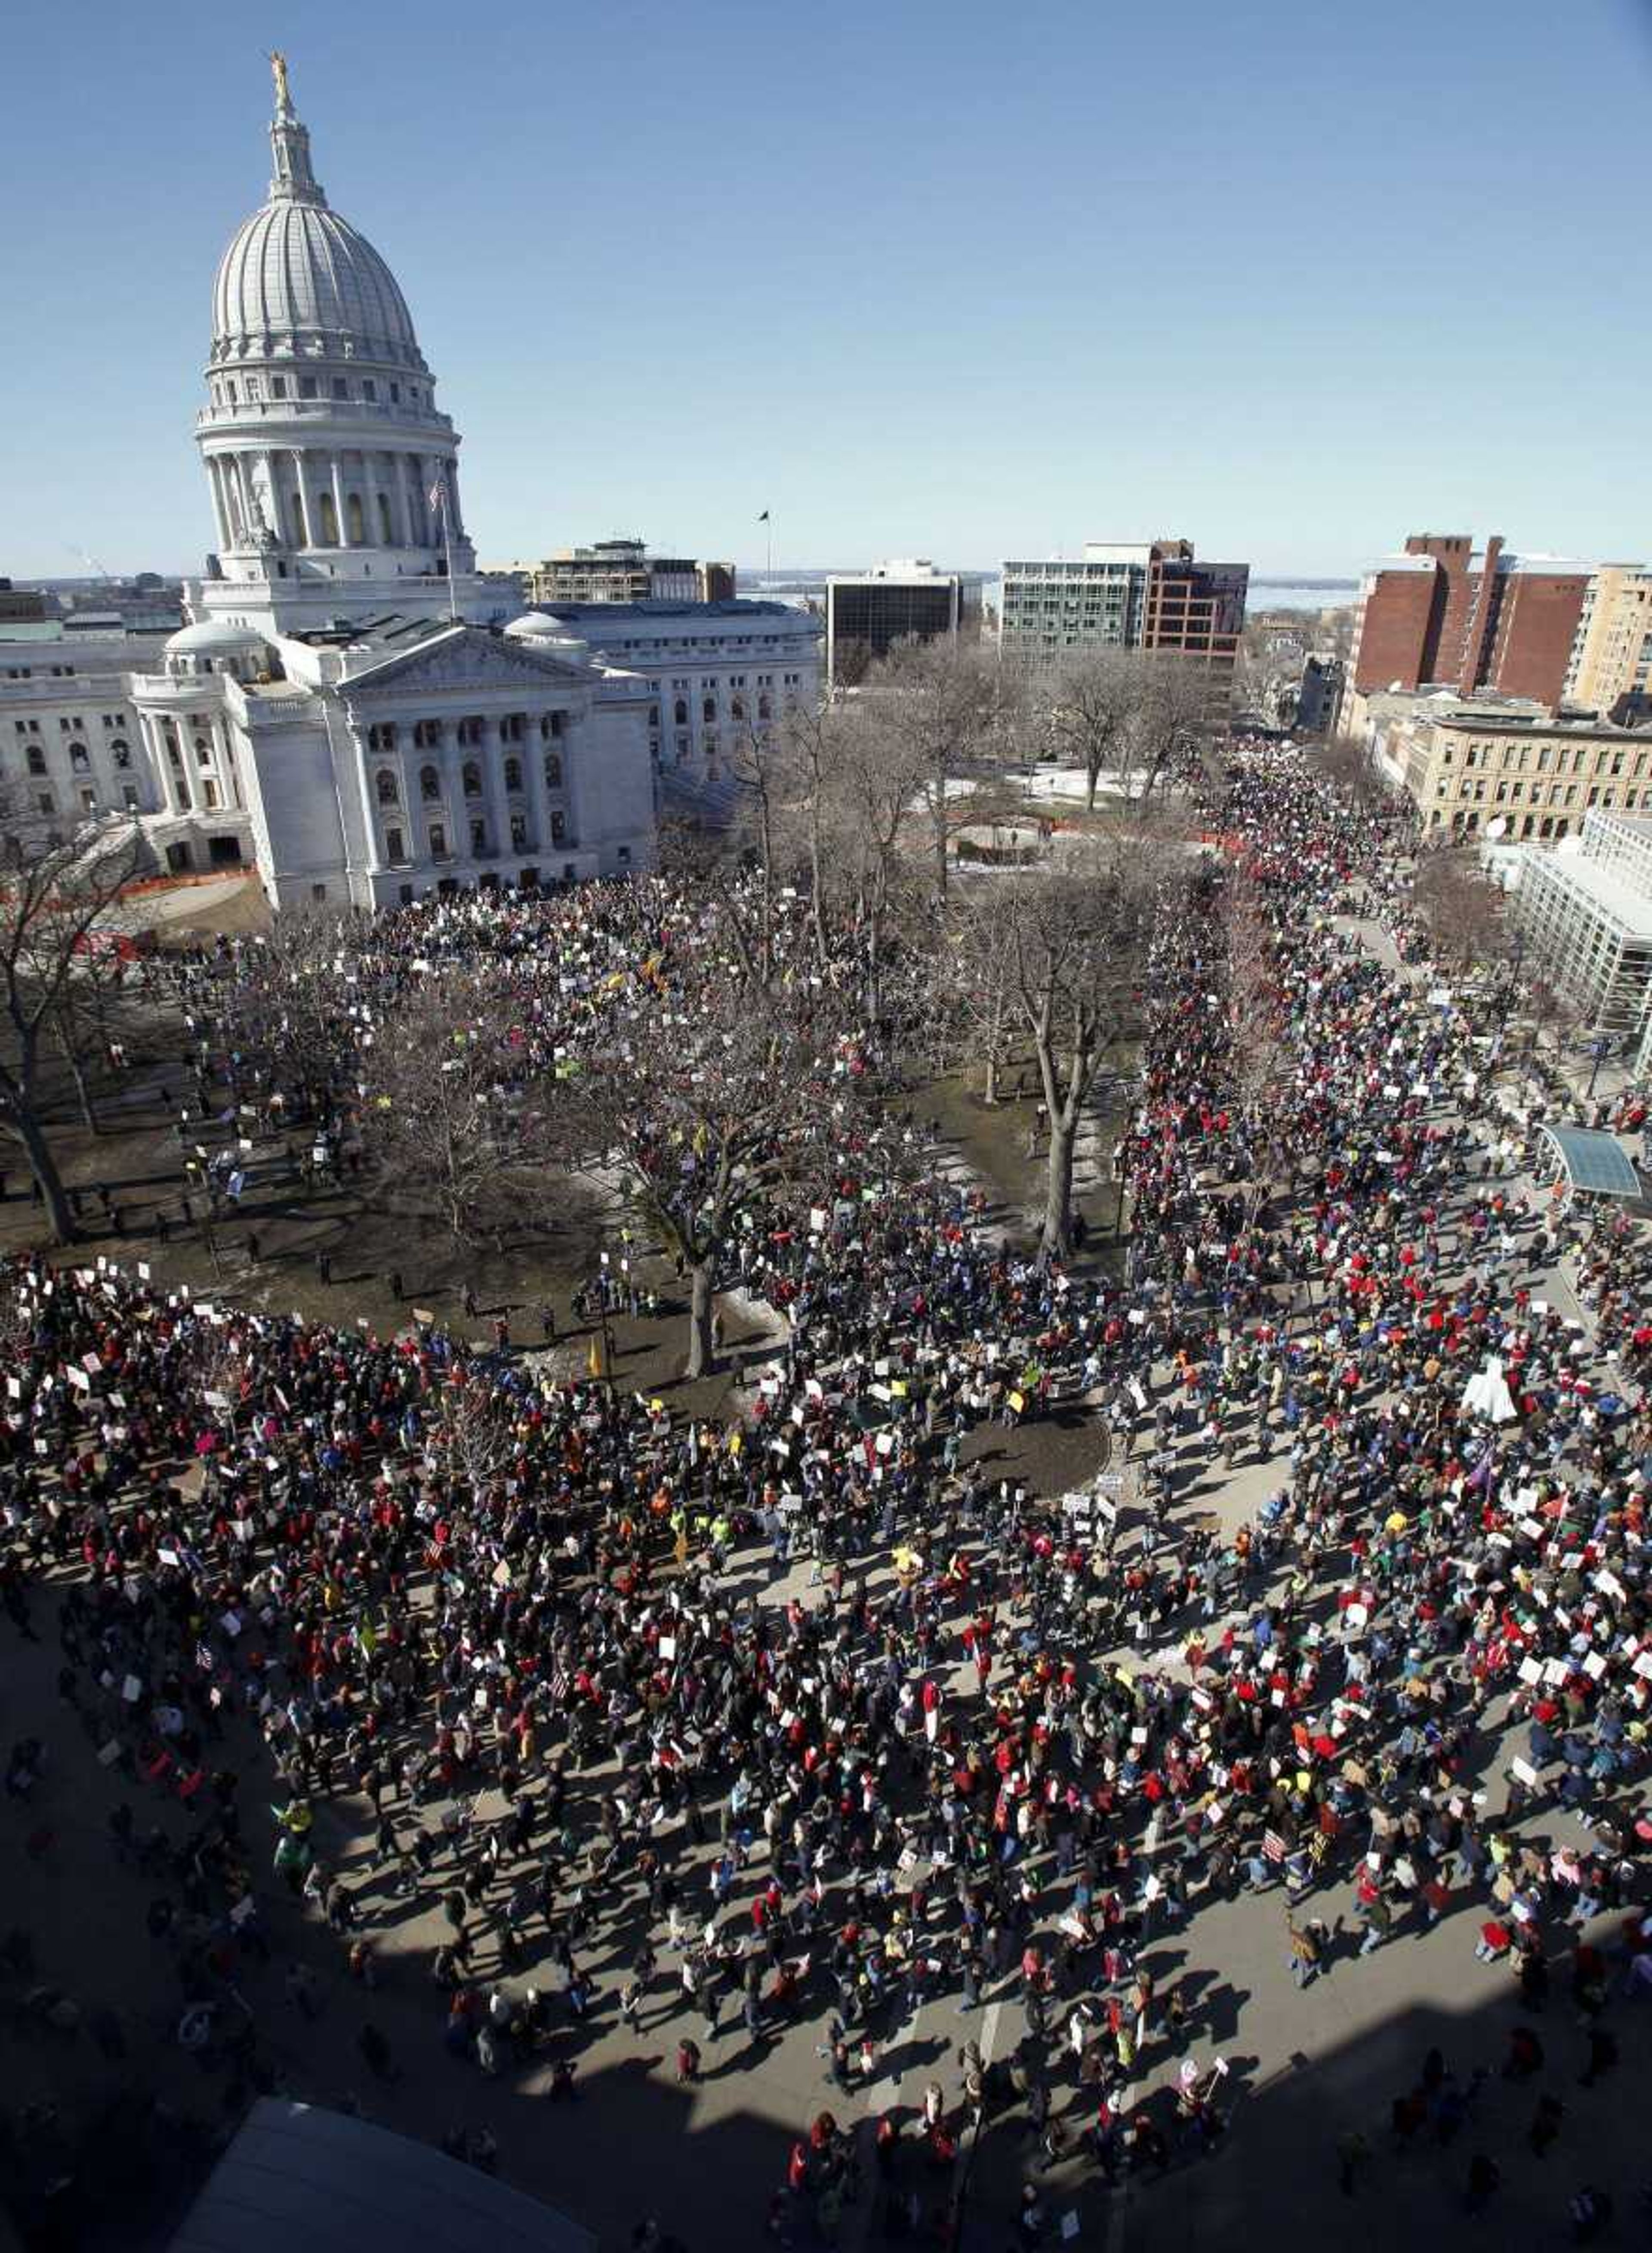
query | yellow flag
[593, 1358]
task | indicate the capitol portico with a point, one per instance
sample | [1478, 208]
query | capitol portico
[337, 709]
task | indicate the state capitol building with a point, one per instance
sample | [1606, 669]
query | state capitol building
[341, 709]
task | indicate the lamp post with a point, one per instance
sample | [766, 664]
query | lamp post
[1601, 1043]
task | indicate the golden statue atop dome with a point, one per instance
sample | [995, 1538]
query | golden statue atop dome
[278, 71]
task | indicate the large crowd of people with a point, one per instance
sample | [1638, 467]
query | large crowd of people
[803, 1715]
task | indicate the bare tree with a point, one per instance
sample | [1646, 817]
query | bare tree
[716, 1096]
[97, 1012]
[458, 1124]
[56, 901]
[1076, 933]
[851, 661]
[980, 976]
[291, 996]
[1461, 908]
[947, 704]
[1092, 702]
[474, 1438]
[1182, 709]
[1349, 768]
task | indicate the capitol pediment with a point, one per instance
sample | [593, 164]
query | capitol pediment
[461, 660]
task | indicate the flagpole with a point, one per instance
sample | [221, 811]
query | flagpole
[447, 542]
[438, 494]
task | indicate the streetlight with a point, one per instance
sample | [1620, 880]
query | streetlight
[1600, 1046]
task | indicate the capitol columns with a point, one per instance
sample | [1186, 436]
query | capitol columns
[335, 464]
[371, 859]
[534, 755]
[215, 478]
[493, 782]
[396, 486]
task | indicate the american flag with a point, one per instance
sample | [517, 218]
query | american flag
[438, 497]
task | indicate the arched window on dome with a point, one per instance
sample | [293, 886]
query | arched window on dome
[708, 711]
[387, 538]
[513, 774]
[329, 520]
[429, 783]
[385, 783]
[738, 709]
[80, 758]
[682, 712]
[765, 707]
[120, 753]
[472, 778]
[553, 771]
[356, 520]
[297, 529]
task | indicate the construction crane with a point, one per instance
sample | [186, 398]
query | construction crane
[101, 570]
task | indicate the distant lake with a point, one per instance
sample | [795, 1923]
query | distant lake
[1326, 595]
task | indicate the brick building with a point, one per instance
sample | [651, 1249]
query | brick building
[1444, 615]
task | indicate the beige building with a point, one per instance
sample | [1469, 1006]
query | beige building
[624, 571]
[1611, 668]
[1468, 761]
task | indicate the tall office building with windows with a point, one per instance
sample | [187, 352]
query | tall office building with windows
[869, 611]
[1145, 595]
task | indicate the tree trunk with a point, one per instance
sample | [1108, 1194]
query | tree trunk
[702, 1357]
[1092, 775]
[44, 1167]
[817, 904]
[939, 786]
[1058, 1186]
[766, 845]
[82, 1086]
[994, 1043]
[874, 960]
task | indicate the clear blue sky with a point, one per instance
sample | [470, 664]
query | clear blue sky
[931, 277]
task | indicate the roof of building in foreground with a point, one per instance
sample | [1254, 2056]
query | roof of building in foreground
[298, 2174]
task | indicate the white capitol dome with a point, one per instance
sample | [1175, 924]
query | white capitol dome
[296, 269]
[298, 277]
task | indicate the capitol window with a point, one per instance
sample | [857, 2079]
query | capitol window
[278, 387]
[472, 779]
[386, 787]
[553, 771]
[429, 783]
[513, 774]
